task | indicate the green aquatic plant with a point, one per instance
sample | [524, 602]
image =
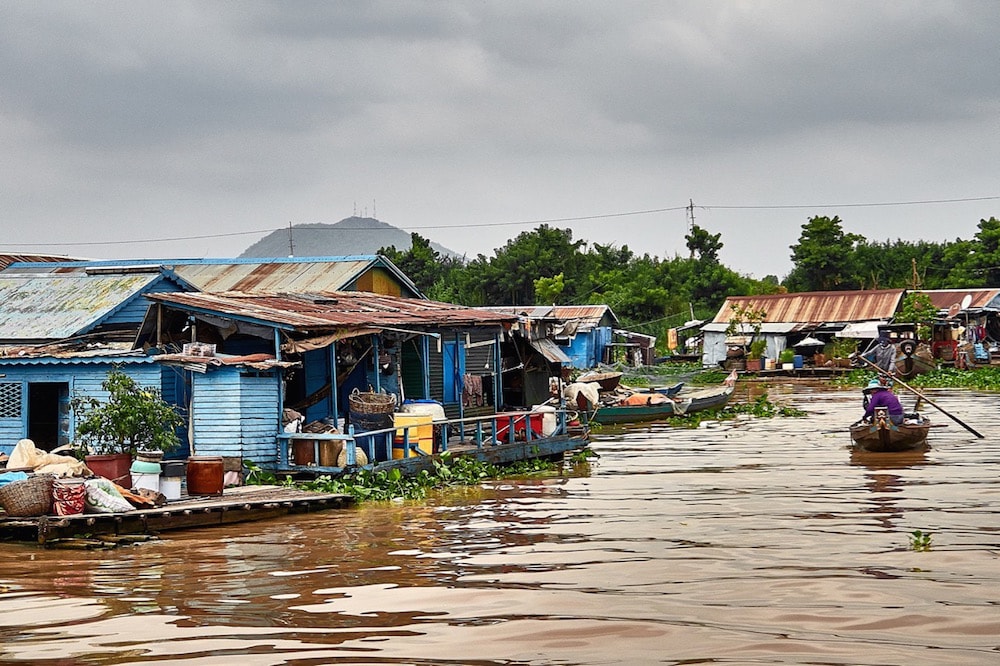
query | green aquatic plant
[920, 541]
[365, 485]
[979, 379]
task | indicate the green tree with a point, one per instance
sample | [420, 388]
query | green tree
[980, 264]
[421, 263]
[917, 308]
[548, 290]
[823, 258]
[132, 418]
[703, 245]
[508, 278]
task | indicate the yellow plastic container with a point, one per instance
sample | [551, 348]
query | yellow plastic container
[421, 434]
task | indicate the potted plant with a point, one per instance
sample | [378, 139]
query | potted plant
[132, 418]
[745, 317]
[755, 355]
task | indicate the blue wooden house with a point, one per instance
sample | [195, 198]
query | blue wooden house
[60, 334]
[307, 352]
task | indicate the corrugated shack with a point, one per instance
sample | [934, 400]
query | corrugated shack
[790, 318]
[342, 341]
[529, 356]
[583, 333]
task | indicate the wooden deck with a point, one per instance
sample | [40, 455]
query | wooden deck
[236, 505]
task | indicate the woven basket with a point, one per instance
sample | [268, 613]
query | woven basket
[372, 403]
[28, 497]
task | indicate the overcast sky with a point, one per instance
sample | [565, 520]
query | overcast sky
[471, 121]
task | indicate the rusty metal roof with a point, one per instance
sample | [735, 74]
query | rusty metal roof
[303, 312]
[587, 316]
[980, 298]
[51, 307]
[8, 259]
[818, 307]
[249, 275]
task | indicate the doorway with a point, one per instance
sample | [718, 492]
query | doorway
[48, 414]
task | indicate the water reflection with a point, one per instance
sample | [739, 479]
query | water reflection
[759, 541]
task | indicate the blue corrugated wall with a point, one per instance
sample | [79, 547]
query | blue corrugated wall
[236, 415]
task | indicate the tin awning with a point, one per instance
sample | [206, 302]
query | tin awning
[550, 351]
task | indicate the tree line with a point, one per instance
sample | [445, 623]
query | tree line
[548, 266]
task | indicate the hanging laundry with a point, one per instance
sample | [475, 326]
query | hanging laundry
[472, 391]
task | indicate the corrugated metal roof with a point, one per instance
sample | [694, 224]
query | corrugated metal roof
[550, 351]
[57, 306]
[249, 275]
[945, 298]
[587, 315]
[266, 277]
[818, 307]
[332, 310]
[8, 259]
[529, 311]
[45, 355]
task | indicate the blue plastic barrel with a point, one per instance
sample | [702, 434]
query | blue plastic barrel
[797, 361]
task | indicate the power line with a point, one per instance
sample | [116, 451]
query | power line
[554, 220]
[857, 205]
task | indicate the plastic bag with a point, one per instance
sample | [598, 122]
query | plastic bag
[103, 497]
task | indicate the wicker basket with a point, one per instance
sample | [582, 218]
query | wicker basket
[372, 403]
[28, 497]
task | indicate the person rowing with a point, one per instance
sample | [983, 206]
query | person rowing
[879, 392]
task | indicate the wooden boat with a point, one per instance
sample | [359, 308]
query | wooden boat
[685, 402]
[608, 381]
[881, 435]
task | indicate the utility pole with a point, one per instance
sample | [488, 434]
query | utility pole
[690, 212]
[915, 280]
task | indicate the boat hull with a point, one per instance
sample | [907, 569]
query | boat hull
[882, 436]
[688, 403]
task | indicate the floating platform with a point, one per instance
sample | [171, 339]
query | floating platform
[235, 505]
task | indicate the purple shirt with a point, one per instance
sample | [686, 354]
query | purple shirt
[884, 398]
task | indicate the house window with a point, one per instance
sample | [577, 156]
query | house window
[10, 400]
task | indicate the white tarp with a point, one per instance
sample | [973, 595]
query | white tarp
[861, 329]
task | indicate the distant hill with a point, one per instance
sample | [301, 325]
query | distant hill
[352, 235]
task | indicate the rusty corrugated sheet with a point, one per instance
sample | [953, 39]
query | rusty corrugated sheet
[55, 306]
[268, 277]
[818, 307]
[945, 298]
[588, 316]
[328, 311]
[8, 259]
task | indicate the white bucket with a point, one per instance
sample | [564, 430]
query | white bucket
[170, 486]
[548, 418]
[142, 480]
[432, 409]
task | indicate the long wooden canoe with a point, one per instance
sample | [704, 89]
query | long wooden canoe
[881, 435]
[683, 403]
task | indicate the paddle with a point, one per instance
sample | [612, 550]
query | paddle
[921, 396]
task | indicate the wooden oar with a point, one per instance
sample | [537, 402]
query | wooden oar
[925, 398]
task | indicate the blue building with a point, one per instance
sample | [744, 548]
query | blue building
[60, 334]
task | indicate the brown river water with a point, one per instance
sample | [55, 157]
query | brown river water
[762, 541]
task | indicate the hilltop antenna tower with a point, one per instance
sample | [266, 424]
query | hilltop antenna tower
[291, 243]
